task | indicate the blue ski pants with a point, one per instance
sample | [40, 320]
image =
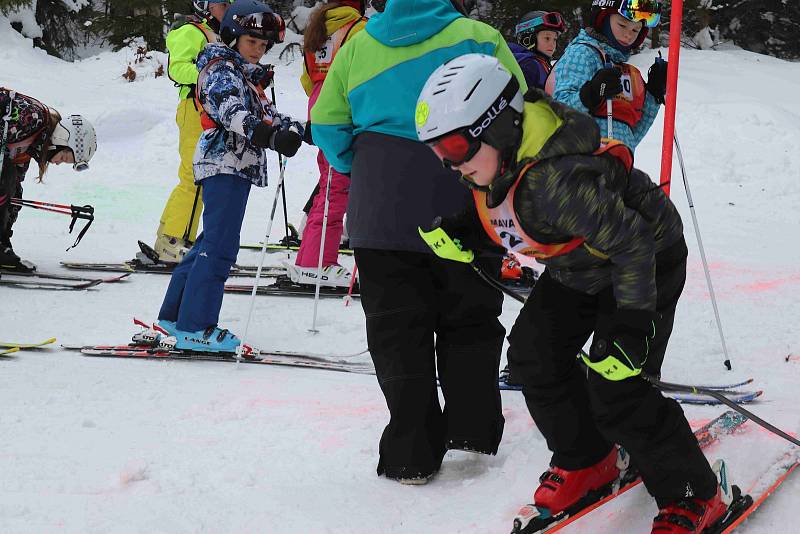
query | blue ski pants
[194, 295]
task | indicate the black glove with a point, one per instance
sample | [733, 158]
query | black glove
[466, 227]
[605, 84]
[286, 142]
[265, 78]
[307, 139]
[262, 135]
[621, 344]
[657, 80]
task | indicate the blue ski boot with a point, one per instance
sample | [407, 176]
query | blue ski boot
[170, 327]
[212, 339]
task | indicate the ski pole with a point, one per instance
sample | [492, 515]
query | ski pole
[76, 212]
[497, 285]
[666, 386]
[188, 231]
[349, 298]
[679, 153]
[280, 159]
[610, 110]
[313, 329]
[240, 350]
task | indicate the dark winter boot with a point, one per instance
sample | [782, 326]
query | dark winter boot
[693, 516]
[559, 489]
[9, 261]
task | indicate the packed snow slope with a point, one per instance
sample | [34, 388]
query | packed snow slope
[98, 445]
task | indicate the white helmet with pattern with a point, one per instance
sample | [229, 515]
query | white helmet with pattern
[77, 134]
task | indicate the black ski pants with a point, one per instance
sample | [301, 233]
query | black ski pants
[10, 187]
[580, 413]
[423, 314]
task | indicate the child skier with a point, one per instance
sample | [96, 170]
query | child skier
[240, 123]
[331, 25]
[181, 216]
[615, 258]
[537, 35]
[593, 69]
[29, 130]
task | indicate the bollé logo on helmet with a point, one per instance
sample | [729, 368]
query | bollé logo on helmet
[489, 118]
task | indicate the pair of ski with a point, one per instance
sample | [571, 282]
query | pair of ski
[732, 391]
[8, 347]
[280, 358]
[340, 363]
[55, 281]
[279, 247]
[283, 286]
[137, 266]
[532, 520]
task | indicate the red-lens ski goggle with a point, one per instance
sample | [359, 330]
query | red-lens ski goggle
[267, 26]
[552, 21]
[455, 148]
[646, 11]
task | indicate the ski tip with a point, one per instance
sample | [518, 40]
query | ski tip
[139, 322]
[6, 352]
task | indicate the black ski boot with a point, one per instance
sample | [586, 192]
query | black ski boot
[10, 262]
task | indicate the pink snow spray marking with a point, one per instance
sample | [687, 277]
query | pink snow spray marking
[769, 285]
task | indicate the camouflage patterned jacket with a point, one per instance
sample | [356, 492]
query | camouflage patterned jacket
[572, 193]
[229, 99]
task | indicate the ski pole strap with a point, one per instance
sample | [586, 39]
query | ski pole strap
[81, 212]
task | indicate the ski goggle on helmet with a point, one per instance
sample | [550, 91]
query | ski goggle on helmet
[644, 11]
[460, 104]
[546, 21]
[267, 26]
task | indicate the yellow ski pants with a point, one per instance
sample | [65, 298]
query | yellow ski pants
[185, 204]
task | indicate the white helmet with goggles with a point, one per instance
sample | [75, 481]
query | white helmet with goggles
[469, 99]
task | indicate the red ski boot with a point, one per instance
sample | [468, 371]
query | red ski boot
[693, 516]
[559, 489]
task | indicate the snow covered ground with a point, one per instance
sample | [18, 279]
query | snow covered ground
[96, 445]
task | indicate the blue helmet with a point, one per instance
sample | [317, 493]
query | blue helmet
[253, 18]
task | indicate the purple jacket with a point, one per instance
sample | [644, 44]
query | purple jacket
[532, 64]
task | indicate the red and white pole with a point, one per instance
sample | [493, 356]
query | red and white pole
[675, 23]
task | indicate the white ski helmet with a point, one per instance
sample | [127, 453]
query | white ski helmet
[470, 93]
[77, 134]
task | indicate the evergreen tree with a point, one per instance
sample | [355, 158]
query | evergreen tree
[63, 26]
[5, 5]
[149, 19]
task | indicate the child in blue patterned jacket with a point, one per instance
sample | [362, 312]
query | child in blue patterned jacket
[239, 123]
[593, 69]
